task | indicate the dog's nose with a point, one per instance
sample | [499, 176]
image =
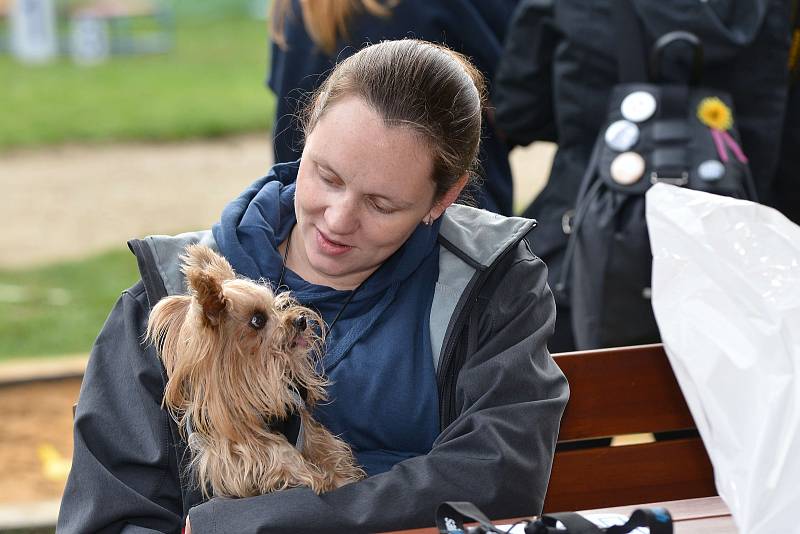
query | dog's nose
[300, 323]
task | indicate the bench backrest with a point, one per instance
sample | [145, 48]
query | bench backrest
[621, 391]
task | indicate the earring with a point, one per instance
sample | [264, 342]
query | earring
[427, 221]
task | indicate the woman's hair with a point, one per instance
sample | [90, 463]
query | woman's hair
[326, 21]
[435, 92]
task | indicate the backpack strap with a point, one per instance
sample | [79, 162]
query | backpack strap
[630, 51]
[794, 48]
[670, 158]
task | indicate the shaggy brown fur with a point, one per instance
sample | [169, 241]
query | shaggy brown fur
[236, 356]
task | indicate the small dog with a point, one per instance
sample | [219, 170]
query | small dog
[238, 358]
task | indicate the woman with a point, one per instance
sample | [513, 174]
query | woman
[439, 316]
[310, 37]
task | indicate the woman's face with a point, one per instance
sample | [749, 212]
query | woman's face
[362, 189]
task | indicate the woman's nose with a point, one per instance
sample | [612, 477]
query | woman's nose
[341, 217]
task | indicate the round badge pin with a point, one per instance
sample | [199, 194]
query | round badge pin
[711, 170]
[622, 135]
[638, 106]
[627, 168]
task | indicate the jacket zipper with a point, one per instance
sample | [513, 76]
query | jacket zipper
[447, 376]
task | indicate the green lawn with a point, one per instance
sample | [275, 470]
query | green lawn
[210, 84]
[59, 309]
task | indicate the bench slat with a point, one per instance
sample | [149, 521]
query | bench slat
[625, 391]
[613, 476]
[628, 390]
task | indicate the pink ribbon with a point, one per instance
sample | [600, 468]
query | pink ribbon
[737, 151]
[721, 139]
[716, 135]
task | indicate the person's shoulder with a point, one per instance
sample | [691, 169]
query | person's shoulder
[480, 235]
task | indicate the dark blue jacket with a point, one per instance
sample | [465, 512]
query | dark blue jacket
[476, 28]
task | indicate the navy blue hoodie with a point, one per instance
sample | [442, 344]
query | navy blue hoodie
[383, 399]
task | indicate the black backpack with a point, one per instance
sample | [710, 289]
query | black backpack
[682, 134]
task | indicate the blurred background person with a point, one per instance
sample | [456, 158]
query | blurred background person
[309, 37]
[559, 66]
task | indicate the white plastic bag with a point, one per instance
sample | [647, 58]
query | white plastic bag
[726, 295]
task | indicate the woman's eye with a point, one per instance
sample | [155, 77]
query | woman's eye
[381, 209]
[328, 178]
[258, 321]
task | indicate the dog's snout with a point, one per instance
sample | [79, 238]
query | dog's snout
[300, 323]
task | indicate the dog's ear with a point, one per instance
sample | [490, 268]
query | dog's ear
[205, 272]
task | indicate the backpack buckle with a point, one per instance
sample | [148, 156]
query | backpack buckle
[683, 179]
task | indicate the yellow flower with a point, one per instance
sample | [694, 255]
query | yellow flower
[714, 113]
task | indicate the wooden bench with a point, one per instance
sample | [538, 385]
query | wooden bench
[623, 391]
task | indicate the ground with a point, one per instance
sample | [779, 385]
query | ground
[36, 439]
[70, 201]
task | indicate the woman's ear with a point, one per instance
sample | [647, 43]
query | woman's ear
[449, 197]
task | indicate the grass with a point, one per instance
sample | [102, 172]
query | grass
[210, 84]
[59, 309]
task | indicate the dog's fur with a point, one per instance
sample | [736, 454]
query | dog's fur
[227, 378]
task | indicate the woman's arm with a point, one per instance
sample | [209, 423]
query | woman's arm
[123, 476]
[497, 453]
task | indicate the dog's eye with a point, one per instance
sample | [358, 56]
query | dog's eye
[258, 321]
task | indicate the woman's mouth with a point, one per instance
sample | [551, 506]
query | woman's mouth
[329, 246]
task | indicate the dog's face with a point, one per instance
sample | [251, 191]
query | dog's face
[258, 323]
[235, 353]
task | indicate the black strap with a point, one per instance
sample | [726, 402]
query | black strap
[631, 46]
[589, 187]
[288, 426]
[658, 520]
[574, 522]
[663, 42]
[794, 49]
[632, 58]
[670, 158]
[451, 516]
